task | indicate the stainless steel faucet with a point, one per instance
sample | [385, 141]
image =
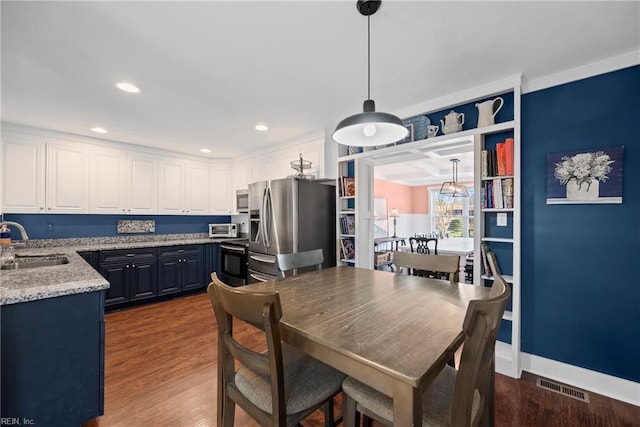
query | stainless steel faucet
[23, 232]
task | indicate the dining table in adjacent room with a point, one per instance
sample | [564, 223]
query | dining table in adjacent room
[390, 331]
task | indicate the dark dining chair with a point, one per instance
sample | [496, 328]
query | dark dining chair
[454, 398]
[420, 245]
[279, 387]
[429, 265]
[293, 261]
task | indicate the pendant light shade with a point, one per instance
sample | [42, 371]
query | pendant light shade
[452, 188]
[369, 128]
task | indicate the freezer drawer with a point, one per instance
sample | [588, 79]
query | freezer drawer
[257, 277]
[262, 263]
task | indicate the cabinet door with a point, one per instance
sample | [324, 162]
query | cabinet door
[143, 185]
[108, 182]
[117, 275]
[197, 188]
[169, 275]
[144, 279]
[171, 187]
[24, 171]
[192, 272]
[221, 193]
[67, 178]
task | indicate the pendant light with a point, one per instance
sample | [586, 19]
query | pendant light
[369, 128]
[452, 188]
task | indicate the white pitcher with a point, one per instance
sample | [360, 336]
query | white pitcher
[487, 111]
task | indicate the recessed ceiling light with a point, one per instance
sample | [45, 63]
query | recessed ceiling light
[99, 130]
[128, 87]
[205, 150]
[262, 128]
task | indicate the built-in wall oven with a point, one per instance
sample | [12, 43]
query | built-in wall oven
[233, 263]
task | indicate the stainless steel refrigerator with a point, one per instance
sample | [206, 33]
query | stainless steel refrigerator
[289, 215]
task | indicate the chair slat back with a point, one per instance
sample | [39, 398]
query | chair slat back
[420, 245]
[415, 262]
[481, 326]
[258, 308]
[294, 261]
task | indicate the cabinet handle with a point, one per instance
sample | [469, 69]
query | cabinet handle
[179, 260]
[124, 210]
[129, 210]
[49, 209]
[180, 251]
[41, 208]
[184, 260]
[128, 266]
[133, 265]
[131, 254]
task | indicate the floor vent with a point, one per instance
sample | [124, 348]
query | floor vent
[563, 389]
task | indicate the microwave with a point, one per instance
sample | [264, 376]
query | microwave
[223, 230]
[242, 201]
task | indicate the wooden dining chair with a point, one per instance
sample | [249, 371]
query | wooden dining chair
[420, 245]
[454, 398]
[294, 261]
[277, 388]
[429, 265]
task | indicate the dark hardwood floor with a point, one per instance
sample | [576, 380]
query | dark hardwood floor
[160, 370]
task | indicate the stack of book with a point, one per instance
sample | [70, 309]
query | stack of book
[348, 225]
[489, 261]
[498, 162]
[348, 251]
[347, 186]
[497, 194]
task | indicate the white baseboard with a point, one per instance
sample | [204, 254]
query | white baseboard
[606, 385]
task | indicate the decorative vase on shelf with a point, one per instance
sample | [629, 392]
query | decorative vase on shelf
[584, 191]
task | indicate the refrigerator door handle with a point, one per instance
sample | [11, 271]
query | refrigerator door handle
[263, 218]
[269, 210]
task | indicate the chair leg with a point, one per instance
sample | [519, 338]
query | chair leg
[348, 410]
[327, 408]
[228, 412]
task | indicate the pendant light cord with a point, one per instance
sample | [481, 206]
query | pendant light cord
[368, 56]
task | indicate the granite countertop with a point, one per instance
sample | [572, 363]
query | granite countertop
[77, 276]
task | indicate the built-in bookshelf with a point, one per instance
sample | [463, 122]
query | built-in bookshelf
[346, 220]
[497, 188]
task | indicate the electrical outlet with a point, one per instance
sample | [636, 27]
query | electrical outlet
[49, 226]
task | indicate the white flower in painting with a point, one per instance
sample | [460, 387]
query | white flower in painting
[584, 168]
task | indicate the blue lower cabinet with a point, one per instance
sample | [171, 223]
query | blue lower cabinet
[52, 360]
[132, 275]
[211, 259]
[180, 268]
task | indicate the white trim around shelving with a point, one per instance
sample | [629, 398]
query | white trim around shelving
[585, 71]
[497, 239]
[596, 382]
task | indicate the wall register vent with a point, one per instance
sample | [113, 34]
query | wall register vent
[563, 389]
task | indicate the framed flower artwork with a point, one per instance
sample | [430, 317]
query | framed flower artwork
[579, 177]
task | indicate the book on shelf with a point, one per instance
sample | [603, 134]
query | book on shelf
[484, 249]
[500, 156]
[508, 156]
[348, 251]
[507, 191]
[493, 263]
[483, 164]
[498, 201]
[351, 225]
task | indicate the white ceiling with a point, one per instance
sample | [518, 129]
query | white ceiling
[209, 71]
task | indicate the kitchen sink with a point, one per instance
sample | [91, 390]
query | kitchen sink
[35, 261]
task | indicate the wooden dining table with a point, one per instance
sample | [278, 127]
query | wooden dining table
[390, 331]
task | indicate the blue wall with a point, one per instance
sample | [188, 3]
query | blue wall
[580, 286]
[53, 226]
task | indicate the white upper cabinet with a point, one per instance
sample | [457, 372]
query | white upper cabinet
[108, 182]
[143, 185]
[221, 191]
[67, 178]
[171, 187]
[197, 188]
[24, 176]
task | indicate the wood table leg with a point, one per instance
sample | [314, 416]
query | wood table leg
[407, 405]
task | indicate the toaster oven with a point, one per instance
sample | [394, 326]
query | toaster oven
[223, 230]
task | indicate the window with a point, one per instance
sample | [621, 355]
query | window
[451, 216]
